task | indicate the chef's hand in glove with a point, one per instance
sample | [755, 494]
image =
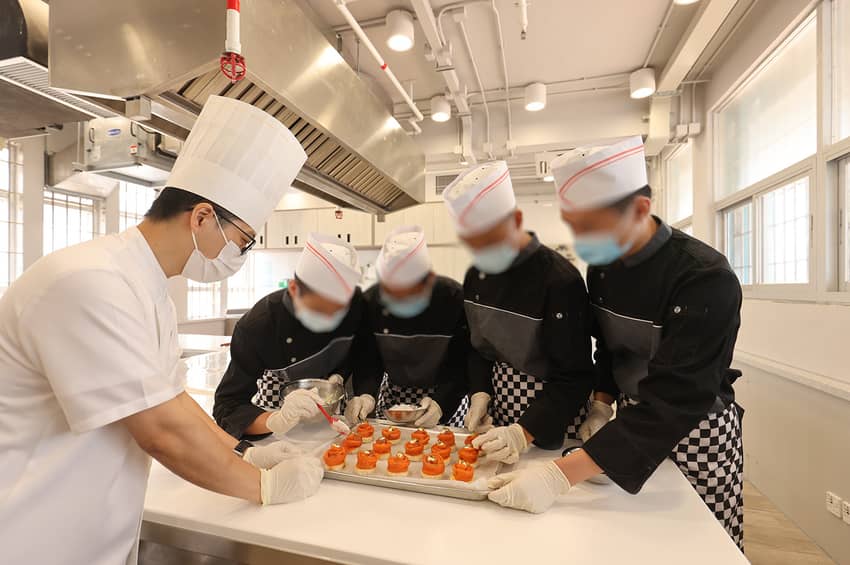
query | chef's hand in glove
[533, 489]
[503, 444]
[600, 413]
[477, 420]
[290, 480]
[336, 379]
[359, 408]
[267, 456]
[432, 414]
[298, 405]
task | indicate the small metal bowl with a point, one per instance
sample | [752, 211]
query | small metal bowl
[331, 393]
[404, 415]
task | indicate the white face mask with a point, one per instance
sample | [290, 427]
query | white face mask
[201, 268]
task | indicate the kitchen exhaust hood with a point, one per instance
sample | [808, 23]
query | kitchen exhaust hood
[30, 106]
[168, 52]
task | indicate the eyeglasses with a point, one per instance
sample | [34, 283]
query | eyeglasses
[251, 243]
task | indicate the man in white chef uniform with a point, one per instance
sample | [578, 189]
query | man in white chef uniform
[90, 384]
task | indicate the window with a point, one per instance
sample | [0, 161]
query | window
[771, 123]
[11, 216]
[688, 229]
[738, 240]
[70, 219]
[844, 240]
[841, 69]
[785, 224]
[680, 185]
[203, 300]
[261, 275]
[133, 201]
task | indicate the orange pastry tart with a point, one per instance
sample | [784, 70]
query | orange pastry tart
[463, 471]
[469, 455]
[392, 434]
[441, 449]
[397, 465]
[469, 438]
[433, 467]
[366, 462]
[421, 435]
[413, 449]
[382, 447]
[366, 431]
[448, 437]
[352, 442]
[334, 457]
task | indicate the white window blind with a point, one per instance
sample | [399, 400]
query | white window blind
[738, 241]
[133, 201]
[771, 122]
[11, 216]
[203, 300]
[785, 228]
[261, 275]
[70, 219]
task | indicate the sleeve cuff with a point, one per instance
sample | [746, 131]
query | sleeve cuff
[622, 461]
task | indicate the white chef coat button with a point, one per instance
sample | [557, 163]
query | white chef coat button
[386, 331]
[292, 360]
[559, 316]
[677, 309]
[482, 276]
[601, 275]
[289, 340]
[384, 312]
[476, 297]
[600, 300]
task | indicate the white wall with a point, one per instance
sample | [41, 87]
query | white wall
[794, 355]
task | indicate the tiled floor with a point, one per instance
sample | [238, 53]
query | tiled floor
[770, 538]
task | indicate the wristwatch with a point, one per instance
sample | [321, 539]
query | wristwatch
[569, 450]
[242, 447]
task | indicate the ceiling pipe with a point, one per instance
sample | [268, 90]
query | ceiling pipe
[510, 141]
[523, 18]
[346, 13]
[658, 34]
[488, 144]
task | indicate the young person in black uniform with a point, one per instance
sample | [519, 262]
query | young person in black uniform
[415, 338]
[667, 311]
[303, 331]
[530, 370]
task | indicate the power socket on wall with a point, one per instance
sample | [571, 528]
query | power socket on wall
[845, 512]
[833, 504]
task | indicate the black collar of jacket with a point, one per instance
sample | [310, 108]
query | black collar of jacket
[527, 251]
[287, 303]
[661, 236]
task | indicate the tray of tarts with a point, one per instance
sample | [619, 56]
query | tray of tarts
[438, 461]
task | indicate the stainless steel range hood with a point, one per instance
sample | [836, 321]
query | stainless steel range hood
[168, 52]
[29, 105]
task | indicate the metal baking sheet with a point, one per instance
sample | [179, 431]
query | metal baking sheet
[414, 483]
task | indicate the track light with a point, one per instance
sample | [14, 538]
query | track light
[642, 83]
[400, 27]
[441, 111]
[535, 96]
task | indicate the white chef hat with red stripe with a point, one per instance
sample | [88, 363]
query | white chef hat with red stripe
[330, 267]
[403, 260]
[595, 177]
[480, 197]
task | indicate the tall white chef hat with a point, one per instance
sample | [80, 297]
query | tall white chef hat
[240, 158]
[403, 260]
[329, 266]
[594, 177]
[480, 197]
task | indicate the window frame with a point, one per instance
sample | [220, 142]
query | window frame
[668, 189]
[98, 215]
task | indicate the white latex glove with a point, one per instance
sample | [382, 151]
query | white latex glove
[504, 443]
[267, 456]
[477, 419]
[359, 408]
[290, 480]
[298, 405]
[600, 414]
[432, 414]
[533, 489]
[336, 379]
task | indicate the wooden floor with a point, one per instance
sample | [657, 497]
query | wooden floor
[770, 538]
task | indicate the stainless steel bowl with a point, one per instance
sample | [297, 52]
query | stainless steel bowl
[404, 415]
[331, 393]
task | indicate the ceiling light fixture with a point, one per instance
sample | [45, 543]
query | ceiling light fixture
[549, 178]
[642, 83]
[684, 2]
[535, 97]
[400, 27]
[441, 110]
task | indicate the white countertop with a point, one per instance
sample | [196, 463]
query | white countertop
[666, 523]
[195, 344]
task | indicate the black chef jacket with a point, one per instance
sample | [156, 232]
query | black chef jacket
[269, 336]
[534, 317]
[666, 320]
[428, 350]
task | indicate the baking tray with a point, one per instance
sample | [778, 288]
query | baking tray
[477, 490]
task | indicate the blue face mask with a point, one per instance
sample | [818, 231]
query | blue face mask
[317, 322]
[600, 249]
[407, 308]
[495, 259]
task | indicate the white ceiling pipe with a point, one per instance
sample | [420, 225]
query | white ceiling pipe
[346, 13]
[523, 18]
[510, 140]
[488, 144]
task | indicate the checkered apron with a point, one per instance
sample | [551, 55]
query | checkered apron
[390, 395]
[513, 393]
[712, 459]
[269, 387]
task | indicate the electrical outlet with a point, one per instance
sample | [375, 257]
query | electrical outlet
[833, 504]
[845, 511]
